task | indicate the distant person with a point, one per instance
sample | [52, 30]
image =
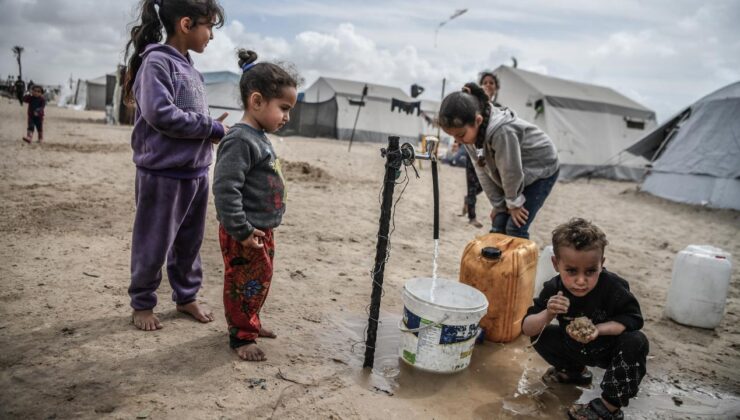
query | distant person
[36, 105]
[249, 192]
[517, 163]
[172, 143]
[20, 89]
[584, 288]
[490, 84]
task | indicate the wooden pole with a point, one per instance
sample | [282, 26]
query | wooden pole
[357, 117]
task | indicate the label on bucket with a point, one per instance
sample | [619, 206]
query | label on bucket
[436, 347]
[447, 334]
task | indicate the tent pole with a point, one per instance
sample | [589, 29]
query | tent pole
[357, 117]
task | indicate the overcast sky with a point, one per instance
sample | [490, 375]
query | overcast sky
[664, 54]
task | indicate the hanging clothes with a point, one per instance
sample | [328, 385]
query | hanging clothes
[407, 107]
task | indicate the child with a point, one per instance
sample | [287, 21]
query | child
[490, 84]
[171, 140]
[36, 105]
[585, 289]
[249, 193]
[517, 164]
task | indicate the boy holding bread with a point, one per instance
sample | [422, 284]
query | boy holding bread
[598, 323]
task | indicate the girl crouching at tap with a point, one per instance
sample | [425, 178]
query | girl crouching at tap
[517, 163]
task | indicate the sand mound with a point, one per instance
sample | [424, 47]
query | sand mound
[304, 171]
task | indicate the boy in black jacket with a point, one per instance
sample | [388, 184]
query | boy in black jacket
[584, 288]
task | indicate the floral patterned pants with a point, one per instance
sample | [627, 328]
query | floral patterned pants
[247, 278]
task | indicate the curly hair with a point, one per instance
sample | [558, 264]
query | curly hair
[579, 234]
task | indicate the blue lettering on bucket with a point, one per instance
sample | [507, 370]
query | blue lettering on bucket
[452, 334]
[411, 320]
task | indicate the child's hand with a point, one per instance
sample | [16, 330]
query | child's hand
[519, 215]
[557, 304]
[226, 127]
[254, 240]
[585, 340]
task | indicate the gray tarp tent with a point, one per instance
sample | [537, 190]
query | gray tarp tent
[695, 155]
[329, 109]
[589, 124]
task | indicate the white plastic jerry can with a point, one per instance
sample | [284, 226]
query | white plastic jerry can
[545, 270]
[699, 283]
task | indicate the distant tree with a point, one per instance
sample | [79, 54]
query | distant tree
[18, 51]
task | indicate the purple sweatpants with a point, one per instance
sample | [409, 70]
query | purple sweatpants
[169, 225]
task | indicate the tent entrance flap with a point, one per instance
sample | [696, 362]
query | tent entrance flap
[312, 119]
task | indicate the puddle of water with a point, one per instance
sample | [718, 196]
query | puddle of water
[503, 381]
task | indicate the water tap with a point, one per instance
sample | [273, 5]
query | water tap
[431, 149]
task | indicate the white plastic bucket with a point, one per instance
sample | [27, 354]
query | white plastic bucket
[699, 283]
[545, 270]
[440, 325]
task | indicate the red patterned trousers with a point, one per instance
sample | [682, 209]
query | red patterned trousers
[247, 278]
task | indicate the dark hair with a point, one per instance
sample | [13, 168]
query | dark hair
[459, 109]
[266, 78]
[149, 30]
[486, 73]
[39, 87]
[580, 235]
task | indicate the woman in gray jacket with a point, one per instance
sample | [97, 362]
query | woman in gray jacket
[517, 163]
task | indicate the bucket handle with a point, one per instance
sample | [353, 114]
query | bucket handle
[415, 330]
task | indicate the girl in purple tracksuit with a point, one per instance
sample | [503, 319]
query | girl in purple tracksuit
[172, 141]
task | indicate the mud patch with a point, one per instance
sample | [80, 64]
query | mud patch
[304, 171]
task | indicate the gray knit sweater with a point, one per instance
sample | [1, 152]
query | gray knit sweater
[248, 184]
[517, 154]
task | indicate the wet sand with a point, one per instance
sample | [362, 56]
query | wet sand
[68, 350]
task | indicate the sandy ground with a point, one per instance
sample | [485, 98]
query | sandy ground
[68, 349]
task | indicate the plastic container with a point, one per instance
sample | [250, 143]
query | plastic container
[699, 283]
[503, 269]
[440, 324]
[545, 270]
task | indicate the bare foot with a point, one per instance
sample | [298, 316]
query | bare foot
[251, 353]
[200, 312]
[267, 333]
[475, 223]
[27, 140]
[146, 320]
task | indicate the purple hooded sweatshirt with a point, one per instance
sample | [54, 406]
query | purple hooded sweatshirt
[172, 128]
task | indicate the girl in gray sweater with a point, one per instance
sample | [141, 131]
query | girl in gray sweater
[249, 194]
[517, 163]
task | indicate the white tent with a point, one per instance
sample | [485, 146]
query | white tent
[590, 125]
[695, 155]
[336, 106]
[98, 92]
[95, 93]
[222, 93]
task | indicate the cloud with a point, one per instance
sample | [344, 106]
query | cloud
[641, 44]
[665, 53]
[341, 52]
